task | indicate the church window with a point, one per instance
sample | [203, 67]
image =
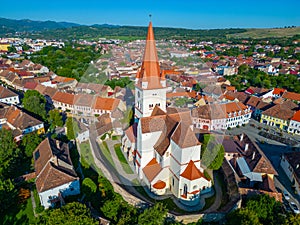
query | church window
[158, 104]
[150, 106]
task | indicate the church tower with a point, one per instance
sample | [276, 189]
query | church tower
[150, 83]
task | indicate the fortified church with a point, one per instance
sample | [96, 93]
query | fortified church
[162, 143]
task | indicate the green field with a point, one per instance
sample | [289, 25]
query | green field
[87, 159]
[122, 159]
[267, 33]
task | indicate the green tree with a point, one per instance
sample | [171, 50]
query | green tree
[71, 214]
[9, 153]
[89, 188]
[266, 208]
[242, 216]
[112, 208]
[55, 119]
[34, 102]
[293, 219]
[213, 155]
[72, 128]
[8, 194]
[153, 216]
[29, 143]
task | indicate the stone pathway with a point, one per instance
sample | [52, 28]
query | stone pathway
[33, 203]
[218, 190]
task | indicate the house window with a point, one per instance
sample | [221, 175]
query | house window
[37, 155]
[173, 181]
[195, 187]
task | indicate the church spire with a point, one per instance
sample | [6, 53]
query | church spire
[150, 71]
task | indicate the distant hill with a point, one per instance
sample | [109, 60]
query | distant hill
[69, 31]
[25, 25]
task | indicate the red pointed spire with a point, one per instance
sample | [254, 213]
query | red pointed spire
[150, 70]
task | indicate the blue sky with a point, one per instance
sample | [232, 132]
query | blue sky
[195, 14]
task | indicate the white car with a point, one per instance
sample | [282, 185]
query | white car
[286, 195]
[294, 207]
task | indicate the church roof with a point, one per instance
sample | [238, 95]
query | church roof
[184, 137]
[150, 69]
[152, 169]
[191, 172]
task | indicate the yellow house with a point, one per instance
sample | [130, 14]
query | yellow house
[4, 46]
[279, 115]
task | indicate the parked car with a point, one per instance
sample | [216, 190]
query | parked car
[286, 195]
[294, 207]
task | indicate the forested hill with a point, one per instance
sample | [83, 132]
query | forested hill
[69, 31]
[64, 30]
[127, 32]
[25, 25]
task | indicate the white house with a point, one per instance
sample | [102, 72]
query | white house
[290, 163]
[55, 176]
[294, 125]
[221, 116]
[9, 97]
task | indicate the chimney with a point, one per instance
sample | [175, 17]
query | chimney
[246, 147]
[253, 156]
[57, 144]
[242, 137]
[55, 160]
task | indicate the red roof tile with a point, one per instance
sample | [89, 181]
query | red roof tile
[191, 172]
[152, 169]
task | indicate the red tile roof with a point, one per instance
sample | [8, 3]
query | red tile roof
[278, 91]
[191, 172]
[296, 116]
[152, 169]
[291, 96]
[64, 98]
[30, 85]
[109, 104]
[159, 185]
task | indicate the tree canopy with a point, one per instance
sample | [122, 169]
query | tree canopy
[212, 154]
[73, 213]
[72, 128]
[29, 143]
[153, 216]
[55, 119]
[35, 102]
[260, 209]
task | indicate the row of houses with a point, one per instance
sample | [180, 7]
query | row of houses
[19, 121]
[221, 116]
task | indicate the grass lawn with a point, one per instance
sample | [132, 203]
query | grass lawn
[87, 159]
[19, 214]
[115, 138]
[104, 148]
[122, 159]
